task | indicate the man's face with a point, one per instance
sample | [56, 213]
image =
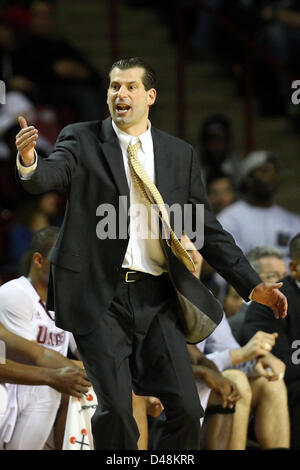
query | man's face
[218, 147]
[220, 194]
[128, 101]
[264, 181]
[272, 269]
[295, 269]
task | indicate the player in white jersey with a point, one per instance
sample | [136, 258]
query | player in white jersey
[31, 410]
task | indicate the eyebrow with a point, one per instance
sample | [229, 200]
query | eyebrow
[129, 83]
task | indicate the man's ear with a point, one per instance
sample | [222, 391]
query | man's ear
[151, 96]
[37, 259]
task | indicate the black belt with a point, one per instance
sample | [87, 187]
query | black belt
[128, 275]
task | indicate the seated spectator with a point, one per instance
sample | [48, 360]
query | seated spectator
[256, 220]
[265, 384]
[269, 264]
[220, 191]
[22, 311]
[288, 329]
[216, 153]
[259, 383]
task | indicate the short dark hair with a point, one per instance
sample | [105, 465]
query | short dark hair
[149, 77]
[41, 242]
[217, 174]
[295, 247]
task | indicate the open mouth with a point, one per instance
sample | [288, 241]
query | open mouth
[122, 108]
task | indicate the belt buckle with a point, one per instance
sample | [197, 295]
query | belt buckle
[126, 276]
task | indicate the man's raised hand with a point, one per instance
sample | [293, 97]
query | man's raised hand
[26, 141]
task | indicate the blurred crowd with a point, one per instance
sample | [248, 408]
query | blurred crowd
[257, 36]
[251, 395]
[52, 84]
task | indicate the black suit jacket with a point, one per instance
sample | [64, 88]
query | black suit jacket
[87, 163]
[259, 317]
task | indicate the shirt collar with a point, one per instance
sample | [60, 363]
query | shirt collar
[125, 139]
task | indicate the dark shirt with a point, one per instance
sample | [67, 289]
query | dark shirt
[260, 317]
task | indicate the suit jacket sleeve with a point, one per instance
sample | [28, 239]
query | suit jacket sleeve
[55, 172]
[219, 248]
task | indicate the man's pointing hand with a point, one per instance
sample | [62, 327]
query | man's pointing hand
[269, 294]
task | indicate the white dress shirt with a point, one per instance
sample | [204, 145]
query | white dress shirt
[144, 253]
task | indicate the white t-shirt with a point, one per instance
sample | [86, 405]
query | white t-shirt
[257, 226]
[23, 313]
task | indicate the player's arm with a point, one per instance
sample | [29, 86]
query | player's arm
[68, 380]
[50, 367]
[207, 371]
[21, 350]
[39, 175]
[199, 360]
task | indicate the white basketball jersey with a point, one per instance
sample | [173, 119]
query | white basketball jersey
[23, 313]
[47, 333]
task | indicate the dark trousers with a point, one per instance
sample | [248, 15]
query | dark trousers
[138, 346]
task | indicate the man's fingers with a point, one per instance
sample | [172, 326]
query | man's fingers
[76, 394]
[82, 389]
[269, 336]
[261, 370]
[280, 308]
[283, 306]
[22, 122]
[86, 382]
[26, 134]
[261, 351]
[25, 130]
[275, 285]
[26, 142]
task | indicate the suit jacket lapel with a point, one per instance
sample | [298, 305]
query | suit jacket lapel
[163, 179]
[113, 154]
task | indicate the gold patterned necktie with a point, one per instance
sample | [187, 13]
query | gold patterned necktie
[153, 197]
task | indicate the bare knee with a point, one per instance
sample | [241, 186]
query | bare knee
[242, 383]
[271, 390]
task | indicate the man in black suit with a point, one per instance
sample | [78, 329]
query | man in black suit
[114, 293]
[287, 346]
